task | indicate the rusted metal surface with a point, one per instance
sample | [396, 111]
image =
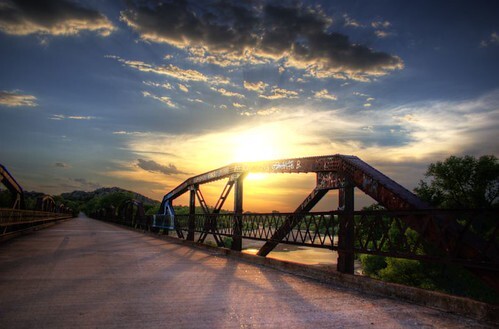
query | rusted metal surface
[346, 232]
[291, 221]
[366, 177]
[13, 186]
[344, 172]
[131, 211]
[15, 220]
[383, 233]
[45, 203]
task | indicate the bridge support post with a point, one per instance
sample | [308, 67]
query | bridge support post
[346, 231]
[192, 214]
[237, 241]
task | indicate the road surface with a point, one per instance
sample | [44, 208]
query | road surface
[85, 273]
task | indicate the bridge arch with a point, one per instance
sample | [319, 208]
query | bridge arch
[45, 203]
[131, 212]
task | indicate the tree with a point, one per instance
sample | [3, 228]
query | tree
[457, 182]
[462, 182]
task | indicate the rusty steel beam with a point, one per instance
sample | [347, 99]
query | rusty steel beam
[45, 203]
[210, 222]
[192, 214]
[14, 188]
[237, 241]
[332, 173]
[346, 234]
[291, 221]
[390, 194]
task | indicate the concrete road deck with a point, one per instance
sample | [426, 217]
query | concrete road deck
[89, 274]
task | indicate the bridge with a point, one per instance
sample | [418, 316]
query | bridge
[17, 218]
[152, 273]
[86, 273]
[407, 228]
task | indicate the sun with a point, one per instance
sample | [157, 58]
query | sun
[257, 144]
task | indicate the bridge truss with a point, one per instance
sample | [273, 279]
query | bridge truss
[452, 235]
[16, 191]
[16, 218]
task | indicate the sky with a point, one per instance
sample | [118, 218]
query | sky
[145, 94]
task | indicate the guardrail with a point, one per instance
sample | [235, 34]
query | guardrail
[15, 220]
[384, 233]
[380, 232]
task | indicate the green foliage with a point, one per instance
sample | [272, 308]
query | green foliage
[406, 271]
[372, 264]
[440, 277]
[151, 210]
[462, 182]
[457, 182]
[181, 210]
[106, 201]
[228, 241]
[5, 199]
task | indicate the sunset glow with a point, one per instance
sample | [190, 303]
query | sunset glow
[132, 94]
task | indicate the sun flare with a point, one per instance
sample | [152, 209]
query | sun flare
[256, 144]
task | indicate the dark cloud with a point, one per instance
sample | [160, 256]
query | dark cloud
[298, 35]
[61, 165]
[53, 17]
[84, 184]
[153, 166]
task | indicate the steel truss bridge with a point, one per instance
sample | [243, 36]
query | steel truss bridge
[17, 218]
[406, 228]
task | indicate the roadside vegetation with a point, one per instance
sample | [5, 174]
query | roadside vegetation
[455, 183]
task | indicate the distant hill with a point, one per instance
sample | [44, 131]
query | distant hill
[83, 196]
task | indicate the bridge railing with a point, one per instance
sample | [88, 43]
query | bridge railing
[384, 233]
[12, 220]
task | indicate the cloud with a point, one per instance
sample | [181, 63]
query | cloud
[183, 88]
[84, 184]
[247, 32]
[238, 105]
[279, 93]
[383, 34]
[491, 41]
[228, 93]
[262, 112]
[379, 24]
[324, 94]
[163, 99]
[51, 17]
[201, 55]
[258, 86]
[153, 166]
[381, 29]
[165, 85]
[61, 165]
[130, 133]
[14, 99]
[348, 21]
[172, 71]
[403, 139]
[467, 127]
[59, 117]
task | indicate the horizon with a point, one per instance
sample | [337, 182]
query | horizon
[143, 96]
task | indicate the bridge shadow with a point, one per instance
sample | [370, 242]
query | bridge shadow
[168, 283]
